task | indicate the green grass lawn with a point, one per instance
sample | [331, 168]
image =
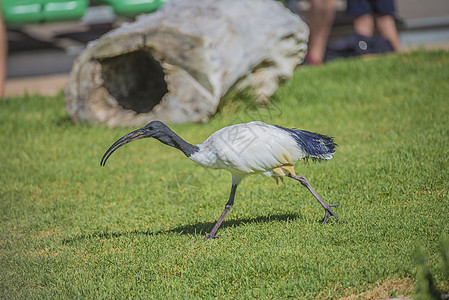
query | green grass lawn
[72, 229]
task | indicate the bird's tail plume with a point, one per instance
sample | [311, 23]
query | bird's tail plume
[317, 146]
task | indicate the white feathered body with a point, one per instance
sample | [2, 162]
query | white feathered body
[260, 148]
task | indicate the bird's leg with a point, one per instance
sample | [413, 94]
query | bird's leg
[223, 215]
[327, 207]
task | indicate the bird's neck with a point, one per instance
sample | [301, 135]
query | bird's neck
[174, 140]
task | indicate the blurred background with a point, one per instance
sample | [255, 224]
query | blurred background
[42, 48]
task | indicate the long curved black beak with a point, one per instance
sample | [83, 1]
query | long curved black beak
[132, 136]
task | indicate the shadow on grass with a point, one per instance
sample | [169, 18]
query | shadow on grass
[193, 229]
[63, 121]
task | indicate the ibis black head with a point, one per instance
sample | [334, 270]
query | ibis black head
[155, 129]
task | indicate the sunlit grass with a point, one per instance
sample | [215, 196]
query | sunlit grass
[70, 228]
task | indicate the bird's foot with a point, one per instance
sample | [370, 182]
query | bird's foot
[212, 236]
[329, 212]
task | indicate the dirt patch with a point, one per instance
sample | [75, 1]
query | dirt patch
[48, 85]
[390, 288]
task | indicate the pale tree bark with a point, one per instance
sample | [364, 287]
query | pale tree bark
[177, 64]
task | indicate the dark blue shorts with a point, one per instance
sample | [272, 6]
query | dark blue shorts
[379, 7]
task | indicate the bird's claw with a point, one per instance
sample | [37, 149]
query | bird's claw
[329, 212]
[212, 236]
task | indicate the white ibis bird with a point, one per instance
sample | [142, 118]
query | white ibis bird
[245, 149]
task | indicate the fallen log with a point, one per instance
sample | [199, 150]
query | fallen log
[177, 64]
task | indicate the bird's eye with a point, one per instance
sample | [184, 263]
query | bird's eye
[151, 128]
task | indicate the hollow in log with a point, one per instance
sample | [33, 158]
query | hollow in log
[177, 64]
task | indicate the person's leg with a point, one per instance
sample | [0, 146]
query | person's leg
[3, 53]
[361, 11]
[320, 18]
[364, 25]
[385, 23]
[387, 28]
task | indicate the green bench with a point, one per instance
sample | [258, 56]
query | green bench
[21, 12]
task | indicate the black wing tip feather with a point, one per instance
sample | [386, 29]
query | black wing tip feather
[318, 146]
